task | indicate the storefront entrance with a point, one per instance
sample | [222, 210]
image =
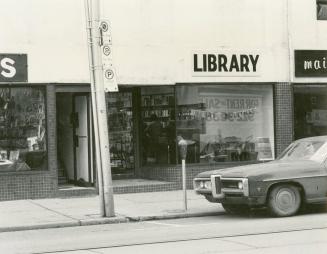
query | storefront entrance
[74, 139]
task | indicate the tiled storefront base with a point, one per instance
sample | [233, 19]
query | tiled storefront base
[121, 187]
[36, 185]
[27, 185]
[174, 173]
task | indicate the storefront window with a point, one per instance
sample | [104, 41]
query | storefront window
[120, 122]
[158, 132]
[22, 129]
[310, 110]
[223, 123]
[321, 9]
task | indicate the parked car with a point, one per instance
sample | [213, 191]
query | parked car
[297, 177]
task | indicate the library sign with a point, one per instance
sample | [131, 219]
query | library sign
[226, 63]
[310, 63]
[13, 68]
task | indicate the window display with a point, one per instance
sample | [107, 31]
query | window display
[120, 122]
[22, 129]
[226, 122]
[158, 136]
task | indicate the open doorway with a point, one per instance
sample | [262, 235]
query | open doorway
[74, 139]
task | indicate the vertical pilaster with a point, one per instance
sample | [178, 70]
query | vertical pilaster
[284, 120]
[51, 128]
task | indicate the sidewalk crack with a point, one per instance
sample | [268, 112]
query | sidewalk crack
[62, 214]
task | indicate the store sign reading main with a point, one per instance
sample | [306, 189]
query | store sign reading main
[310, 63]
[225, 63]
[13, 68]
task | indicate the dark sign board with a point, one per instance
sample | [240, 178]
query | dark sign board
[13, 68]
[310, 63]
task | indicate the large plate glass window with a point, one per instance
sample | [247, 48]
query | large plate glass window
[321, 9]
[121, 139]
[310, 110]
[22, 129]
[157, 127]
[223, 123]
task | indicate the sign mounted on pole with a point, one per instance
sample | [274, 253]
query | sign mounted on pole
[109, 73]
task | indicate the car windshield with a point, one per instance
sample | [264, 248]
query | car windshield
[301, 150]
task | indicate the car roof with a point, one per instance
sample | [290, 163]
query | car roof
[315, 138]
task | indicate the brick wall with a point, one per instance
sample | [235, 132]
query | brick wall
[283, 116]
[35, 184]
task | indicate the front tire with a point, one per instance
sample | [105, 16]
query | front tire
[284, 200]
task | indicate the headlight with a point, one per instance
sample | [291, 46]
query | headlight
[240, 185]
[207, 185]
[201, 184]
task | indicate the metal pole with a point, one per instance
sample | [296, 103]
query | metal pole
[94, 111]
[102, 112]
[184, 184]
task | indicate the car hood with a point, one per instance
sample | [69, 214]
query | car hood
[268, 170]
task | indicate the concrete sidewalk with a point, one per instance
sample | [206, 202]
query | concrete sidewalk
[65, 212]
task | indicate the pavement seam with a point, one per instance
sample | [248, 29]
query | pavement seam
[62, 214]
[245, 244]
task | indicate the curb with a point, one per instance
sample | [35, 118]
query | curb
[40, 226]
[77, 223]
[172, 216]
[114, 220]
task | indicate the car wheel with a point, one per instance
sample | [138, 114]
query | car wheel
[284, 200]
[236, 209]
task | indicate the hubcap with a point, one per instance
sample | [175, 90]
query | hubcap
[286, 200]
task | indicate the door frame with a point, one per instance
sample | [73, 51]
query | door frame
[89, 140]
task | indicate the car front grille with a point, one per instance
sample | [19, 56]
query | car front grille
[230, 184]
[222, 186]
[218, 184]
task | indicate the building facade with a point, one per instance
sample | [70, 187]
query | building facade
[231, 79]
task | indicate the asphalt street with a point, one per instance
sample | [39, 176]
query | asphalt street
[257, 233]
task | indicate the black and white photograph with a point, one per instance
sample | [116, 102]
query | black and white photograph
[163, 126]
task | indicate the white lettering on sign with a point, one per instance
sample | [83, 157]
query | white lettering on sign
[315, 64]
[7, 65]
[225, 63]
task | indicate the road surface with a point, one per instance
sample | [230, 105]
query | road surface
[257, 233]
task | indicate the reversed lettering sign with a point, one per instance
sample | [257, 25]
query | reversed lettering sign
[226, 63]
[310, 63]
[13, 68]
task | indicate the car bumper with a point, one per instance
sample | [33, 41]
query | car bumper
[251, 201]
[219, 194]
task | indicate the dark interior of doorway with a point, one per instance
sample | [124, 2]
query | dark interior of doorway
[75, 163]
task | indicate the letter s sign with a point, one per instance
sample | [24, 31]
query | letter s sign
[13, 68]
[8, 67]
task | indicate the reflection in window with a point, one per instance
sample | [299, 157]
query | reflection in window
[22, 129]
[226, 122]
[301, 150]
[321, 9]
[310, 111]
